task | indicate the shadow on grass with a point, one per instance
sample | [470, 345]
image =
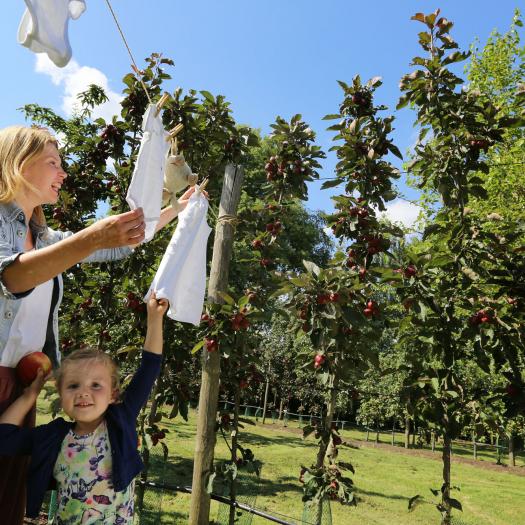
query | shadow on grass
[381, 495]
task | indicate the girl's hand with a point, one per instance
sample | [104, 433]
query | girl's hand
[156, 307]
[185, 197]
[33, 390]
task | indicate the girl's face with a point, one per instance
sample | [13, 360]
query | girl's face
[46, 175]
[86, 392]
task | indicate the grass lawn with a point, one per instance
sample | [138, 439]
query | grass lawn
[385, 479]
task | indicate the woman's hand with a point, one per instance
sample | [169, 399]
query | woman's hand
[118, 230]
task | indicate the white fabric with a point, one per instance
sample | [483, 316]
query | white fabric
[28, 331]
[181, 276]
[44, 25]
[145, 189]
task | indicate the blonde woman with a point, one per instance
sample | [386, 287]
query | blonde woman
[32, 258]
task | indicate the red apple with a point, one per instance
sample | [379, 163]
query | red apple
[27, 367]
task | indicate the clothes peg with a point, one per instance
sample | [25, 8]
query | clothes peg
[203, 185]
[176, 130]
[161, 103]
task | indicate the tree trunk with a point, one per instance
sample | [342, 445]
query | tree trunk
[209, 393]
[512, 453]
[233, 484]
[446, 520]
[407, 432]
[393, 431]
[281, 406]
[325, 443]
[377, 432]
[265, 399]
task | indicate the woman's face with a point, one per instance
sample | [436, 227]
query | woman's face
[46, 175]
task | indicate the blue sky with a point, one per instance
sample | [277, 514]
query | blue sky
[268, 57]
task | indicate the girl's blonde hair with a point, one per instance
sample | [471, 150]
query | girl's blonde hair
[19, 145]
[88, 354]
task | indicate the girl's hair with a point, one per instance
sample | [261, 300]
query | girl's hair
[89, 354]
[19, 145]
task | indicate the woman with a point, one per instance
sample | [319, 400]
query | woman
[32, 258]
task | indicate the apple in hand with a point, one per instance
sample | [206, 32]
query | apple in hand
[27, 367]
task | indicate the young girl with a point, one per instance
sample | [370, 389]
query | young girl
[94, 458]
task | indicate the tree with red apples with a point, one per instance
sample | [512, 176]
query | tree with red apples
[339, 307]
[455, 294]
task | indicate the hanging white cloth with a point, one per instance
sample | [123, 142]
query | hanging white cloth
[145, 188]
[181, 276]
[44, 27]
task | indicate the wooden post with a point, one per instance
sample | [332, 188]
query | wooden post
[407, 432]
[209, 393]
[512, 451]
[265, 405]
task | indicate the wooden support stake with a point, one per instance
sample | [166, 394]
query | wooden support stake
[209, 393]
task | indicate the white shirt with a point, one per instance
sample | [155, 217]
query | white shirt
[44, 27]
[181, 276]
[145, 188]
[28, 331]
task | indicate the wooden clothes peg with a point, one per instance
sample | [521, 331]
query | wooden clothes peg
[161, 103]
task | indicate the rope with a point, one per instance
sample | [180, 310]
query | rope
[232, 220]
[135, 68]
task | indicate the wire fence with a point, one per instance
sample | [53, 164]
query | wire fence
[495, 452]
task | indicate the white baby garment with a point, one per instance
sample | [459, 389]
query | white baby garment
[145, 188]
[43, 27]
[181, 276]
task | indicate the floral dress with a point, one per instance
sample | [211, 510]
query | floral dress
[85, 491]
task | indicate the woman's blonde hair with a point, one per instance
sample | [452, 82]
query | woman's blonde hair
[88, 354]
[19, 145]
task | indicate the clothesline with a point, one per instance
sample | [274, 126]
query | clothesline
[135, 67]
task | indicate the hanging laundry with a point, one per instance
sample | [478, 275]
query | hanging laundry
[181, 276]
[44, 27]
[145, 189]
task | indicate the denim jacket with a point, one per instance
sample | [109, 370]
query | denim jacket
[13, 232]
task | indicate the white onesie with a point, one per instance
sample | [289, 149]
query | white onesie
[181, 276]
[43, 27]
[145, 188]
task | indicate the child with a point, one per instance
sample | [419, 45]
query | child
[93, 459]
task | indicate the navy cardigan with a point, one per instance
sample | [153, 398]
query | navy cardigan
[43, 442]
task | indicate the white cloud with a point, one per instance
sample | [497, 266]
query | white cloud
[402, 212]
[74, 79]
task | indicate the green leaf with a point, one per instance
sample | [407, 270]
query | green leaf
[228, 299]
[332, 116]
[307, 430]
[209, 484]
[413, 501]
[312, 268]
[455, 504]
[208, 96]
[299, 281]
[330, 183]
[198, 346]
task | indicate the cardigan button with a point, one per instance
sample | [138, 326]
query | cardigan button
[8, 314]
[20, 233]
